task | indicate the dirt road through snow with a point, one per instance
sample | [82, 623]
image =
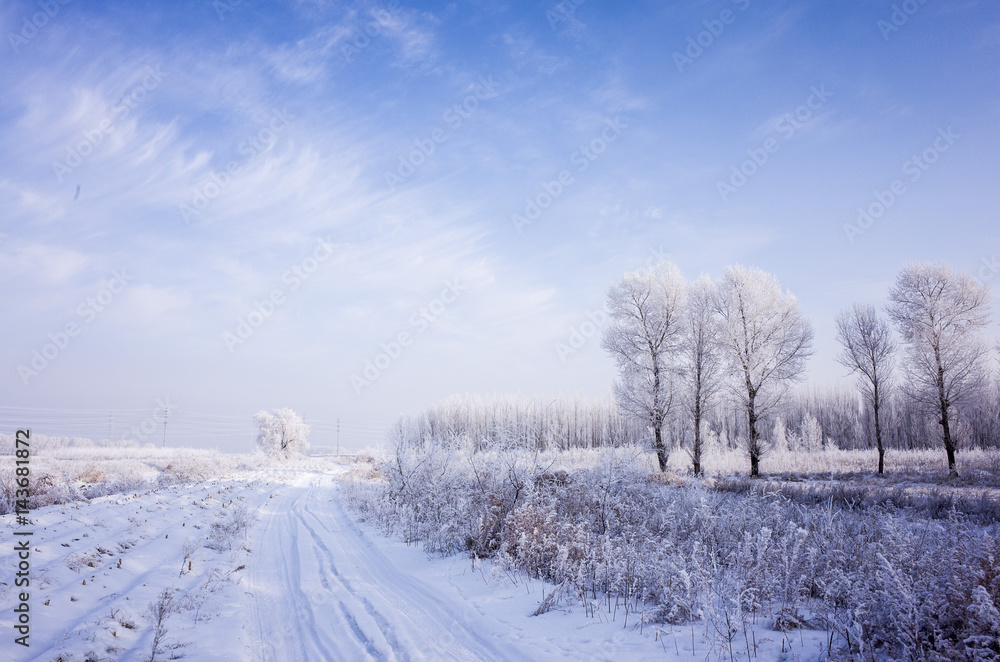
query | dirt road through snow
[320, 590]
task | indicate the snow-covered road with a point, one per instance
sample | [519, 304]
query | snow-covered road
[321, 590]
[307, 583]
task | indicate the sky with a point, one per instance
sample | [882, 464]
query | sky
[358, 209]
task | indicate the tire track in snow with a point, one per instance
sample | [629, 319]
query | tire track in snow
[433, 623]
[365, 607]
[283, 625]
[349, 618]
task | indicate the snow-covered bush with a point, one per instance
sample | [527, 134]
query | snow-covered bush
[65, 474]
[885, 583]
[229, 528]
[281, 433]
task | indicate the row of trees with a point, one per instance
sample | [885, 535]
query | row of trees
[671, 343]
[556, 424]
[679, 346]
[808, 419]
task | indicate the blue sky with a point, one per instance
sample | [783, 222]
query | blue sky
[357, 171]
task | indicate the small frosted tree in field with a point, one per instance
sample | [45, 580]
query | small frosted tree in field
[811, 434]
[940, 315]
[282, 433]
[644, 336]
[780, 441]
[701, 359]
[766, 341]
[869, 351]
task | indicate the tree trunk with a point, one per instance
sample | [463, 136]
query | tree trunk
[949, 446]
[878, 433]
[696, 451]
[661, 452]
[754, 443]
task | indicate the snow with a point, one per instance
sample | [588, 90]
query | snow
[305, 582]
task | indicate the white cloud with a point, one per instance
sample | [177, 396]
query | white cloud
[46, 264]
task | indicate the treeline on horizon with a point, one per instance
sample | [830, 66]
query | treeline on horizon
[712, 365]
[811, 418]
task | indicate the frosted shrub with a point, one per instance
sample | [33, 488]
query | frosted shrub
[884, 583]
[46, 490]
[228, 529]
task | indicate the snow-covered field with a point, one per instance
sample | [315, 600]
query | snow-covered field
[224, 559]
[267, 565]
[96, 568]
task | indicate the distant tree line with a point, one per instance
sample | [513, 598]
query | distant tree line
[708, 364]
[556, 424]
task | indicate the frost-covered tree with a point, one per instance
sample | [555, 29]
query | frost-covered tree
[644, 336]
[766, 342]
[868, 350]
[780, 436]
[811, 434]
[940, 315]
[281, 433]
[701, 357]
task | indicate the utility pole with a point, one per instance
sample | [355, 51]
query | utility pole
[166, 412]
[338, 437]
[111, 425]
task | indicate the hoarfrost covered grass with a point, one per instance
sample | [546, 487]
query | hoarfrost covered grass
[138, 575]
[62, 473]
[975, 465]
[730, 565]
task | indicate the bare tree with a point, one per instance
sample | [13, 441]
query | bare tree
[701, 358]
[869, 350]
[644, 336]
[940, 315]
[766, 342]
[282, 433]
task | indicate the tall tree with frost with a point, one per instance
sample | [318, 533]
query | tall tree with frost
[940, 315]
[701, 358]
[282, 433]
[766, 342]
[644, 336]
[868, 350]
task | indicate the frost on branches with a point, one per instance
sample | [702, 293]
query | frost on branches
[940, 315]
[766, 341]
[281, 434]
[644, 336]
